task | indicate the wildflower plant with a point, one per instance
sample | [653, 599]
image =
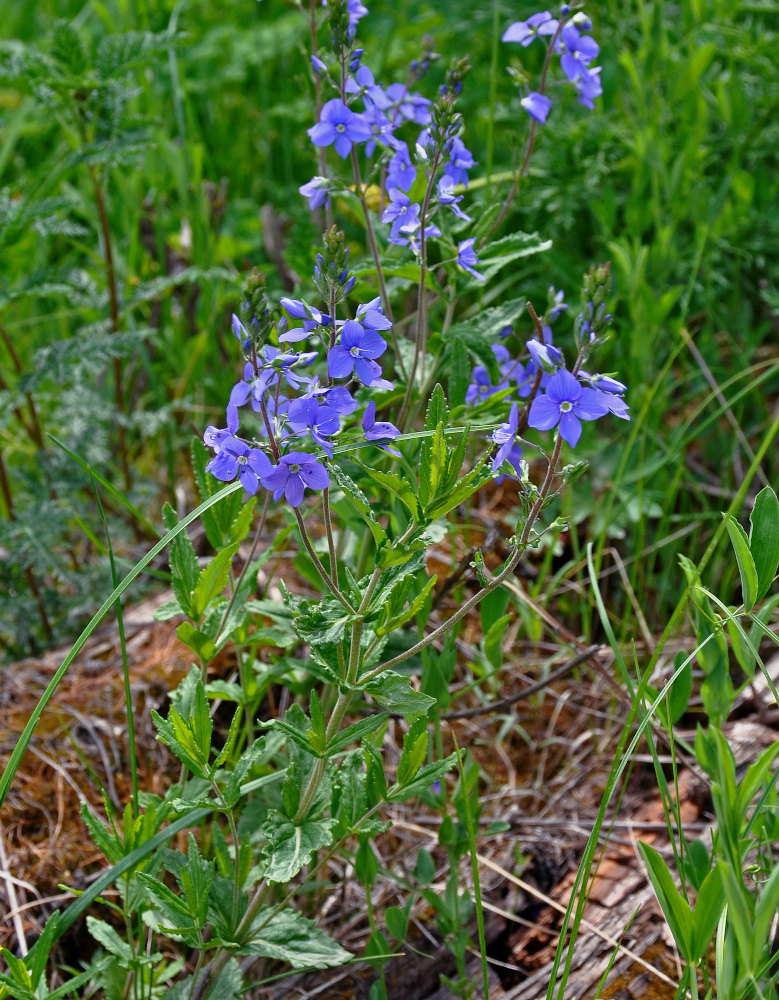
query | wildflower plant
[359, 423]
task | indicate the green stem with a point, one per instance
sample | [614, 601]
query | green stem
[331, 586]
[385, 299]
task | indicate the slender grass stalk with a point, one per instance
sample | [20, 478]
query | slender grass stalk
[20, 749]
[128, 696]
[470, 831]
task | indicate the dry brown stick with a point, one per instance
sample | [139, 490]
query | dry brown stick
[503, 703]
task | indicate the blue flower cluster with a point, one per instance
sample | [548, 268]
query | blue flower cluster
[575, 48]
[373, 118]
[559, 398]
[318, 411]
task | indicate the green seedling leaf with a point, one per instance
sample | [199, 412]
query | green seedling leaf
[708, 909]
[425, 868]
[459, 372]
[764, 538]
[746, 563]
[697, 863]
[675, 909]
[681, 688]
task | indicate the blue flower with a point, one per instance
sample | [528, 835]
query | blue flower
[237, 458]
[317, 190]
[506, 437]
[309, 416]
[537, 106]
[446, 196]
[356, 353]
[382, 430]
[545, 356]
[460, 162]
[295, 472]
[467, 259]
[566, 403]
[525, 31]
[401, 172]
[340, 127]
[400, 212]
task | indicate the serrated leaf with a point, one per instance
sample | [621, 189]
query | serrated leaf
[289, 846]
[396, 485]
[764, 538]
[391, 623]
[212, 580]
[360, 502]
[394, 692]
[462, 491]
[746, 564]
[289, 937]
[183, 562]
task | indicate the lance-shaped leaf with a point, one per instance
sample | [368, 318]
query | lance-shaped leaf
[746, 563]
[764, 538]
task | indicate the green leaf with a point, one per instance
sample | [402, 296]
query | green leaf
[765, 914]
[213, 580]
[288, 936]
[675, 909]
[394, 692]
[746, 564]
[360, 502]
[397, 486]
[414, 752]
[355, 732]
[429, 774]
[366, 866]
[397, 922]
[493, 641]
[681, 688]
[183, 562]
[764, 538]
[459, 367]
[289, 846]
[106, 936]
[705, 917]
[391, 623]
